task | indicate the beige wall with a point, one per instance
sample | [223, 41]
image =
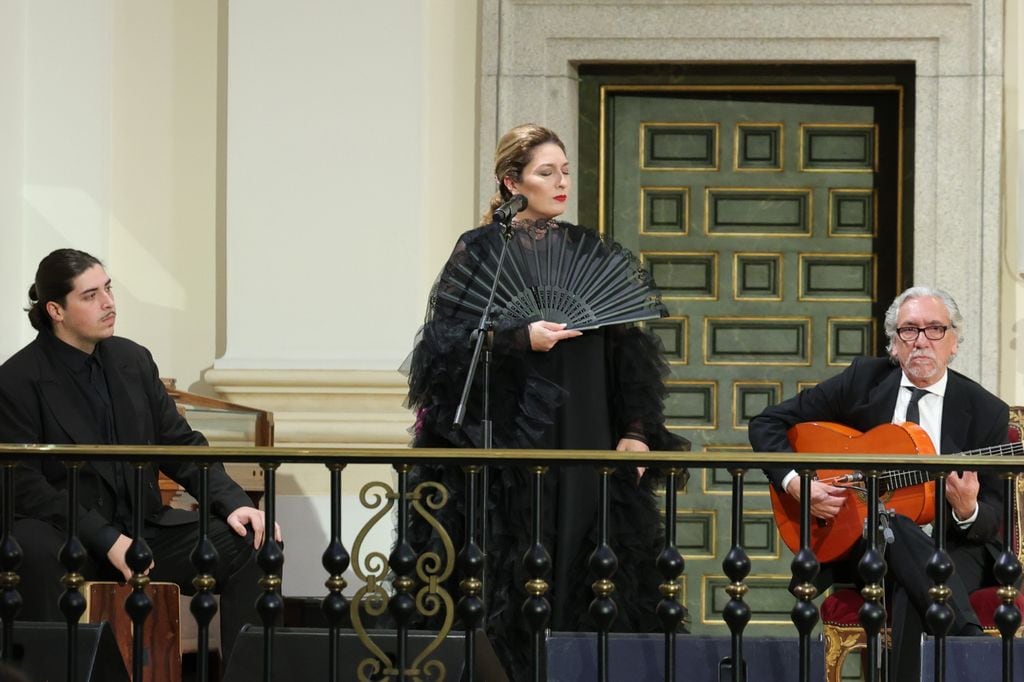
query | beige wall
[163, 180]
[58, 80]
[109, 131]
[1011, 262]
[13, 281]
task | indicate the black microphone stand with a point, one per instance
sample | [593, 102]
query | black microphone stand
[484, 343]
[479, 494]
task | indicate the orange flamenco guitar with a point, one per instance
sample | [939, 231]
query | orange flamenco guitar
[910, 493]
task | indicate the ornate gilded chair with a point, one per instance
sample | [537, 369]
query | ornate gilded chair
[841, 626]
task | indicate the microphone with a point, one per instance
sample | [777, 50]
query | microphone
[506, 211]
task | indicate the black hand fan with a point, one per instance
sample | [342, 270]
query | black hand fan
[556, 274]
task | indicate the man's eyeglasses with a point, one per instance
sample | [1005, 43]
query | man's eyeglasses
[933, 332]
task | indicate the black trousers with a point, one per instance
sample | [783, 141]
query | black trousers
[906, 558]
[907, 585]
[237, 572]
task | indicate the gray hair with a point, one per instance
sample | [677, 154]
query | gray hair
[956, 320]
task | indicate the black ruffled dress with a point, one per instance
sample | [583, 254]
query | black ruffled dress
[586, 393]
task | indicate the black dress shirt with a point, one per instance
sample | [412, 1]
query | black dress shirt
[87, 372]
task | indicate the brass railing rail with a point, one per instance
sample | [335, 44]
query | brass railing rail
[719, 458]
[405, 567]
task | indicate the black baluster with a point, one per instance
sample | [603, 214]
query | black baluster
[335, 560]
[270, 604]
[805, 570]
[537, 563]
[872, 570]
[138, 557]
[736, 566]
[603, 563]
[471, 565]
[1007, 571]
[204, 558]
[10, 559]
[939, 615]
[402, 605]
[72, 556]
[670, 563]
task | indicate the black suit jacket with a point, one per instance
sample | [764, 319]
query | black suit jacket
[864, 396]
[40, 404]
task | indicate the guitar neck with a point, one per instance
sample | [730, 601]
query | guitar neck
[1003, 450]
[893, 480]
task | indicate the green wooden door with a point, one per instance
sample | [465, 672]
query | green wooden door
[770, 217]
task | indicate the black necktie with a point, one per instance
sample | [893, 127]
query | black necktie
[913, 413]
[98, 381]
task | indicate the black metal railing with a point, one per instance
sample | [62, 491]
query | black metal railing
[403, 561]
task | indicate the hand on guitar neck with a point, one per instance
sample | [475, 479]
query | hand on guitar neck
[826, 500]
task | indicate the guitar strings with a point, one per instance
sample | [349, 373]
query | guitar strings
[904, 479]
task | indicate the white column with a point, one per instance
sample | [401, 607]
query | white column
[325, 183]
[13, 282]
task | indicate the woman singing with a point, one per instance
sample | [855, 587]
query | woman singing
[551, 388]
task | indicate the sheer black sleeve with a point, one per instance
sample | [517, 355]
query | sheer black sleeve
[639, 371]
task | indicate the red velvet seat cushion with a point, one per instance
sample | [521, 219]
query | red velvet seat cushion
[985, 601]
[841, 607]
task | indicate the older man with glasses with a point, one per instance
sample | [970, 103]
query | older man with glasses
[913, 383]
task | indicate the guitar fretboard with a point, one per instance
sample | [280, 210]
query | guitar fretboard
[894, 480]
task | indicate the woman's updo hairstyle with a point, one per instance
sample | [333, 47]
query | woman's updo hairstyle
[514, 153]
[55, 279]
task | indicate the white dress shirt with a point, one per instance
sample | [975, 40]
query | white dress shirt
[930, 409]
